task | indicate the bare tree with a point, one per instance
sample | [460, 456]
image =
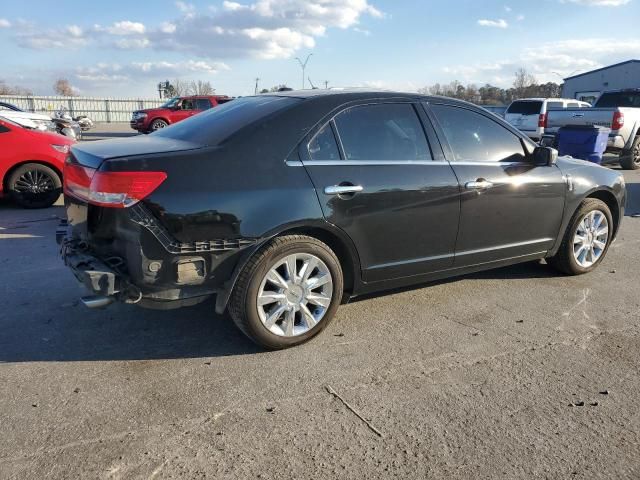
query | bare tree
[200, 88]
[180, 88]
[523, 82]
[64, 88]
[525, 86]
[13, 90]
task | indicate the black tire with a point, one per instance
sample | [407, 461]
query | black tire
[630, 159]
[243, 302]
[157, 124]
[564, 260]
[48, 185]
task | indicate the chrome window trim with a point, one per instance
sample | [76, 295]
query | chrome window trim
[298, 163]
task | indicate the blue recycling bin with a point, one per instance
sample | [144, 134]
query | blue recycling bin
[584, 142]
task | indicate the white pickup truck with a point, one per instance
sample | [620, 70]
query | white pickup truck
[618, 110]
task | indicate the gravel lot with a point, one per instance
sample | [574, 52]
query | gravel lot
[513, 373]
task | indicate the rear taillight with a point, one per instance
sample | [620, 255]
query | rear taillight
[542, 120]
[618, 121]
[110, 189]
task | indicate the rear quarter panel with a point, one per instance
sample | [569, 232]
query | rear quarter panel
[588, 179]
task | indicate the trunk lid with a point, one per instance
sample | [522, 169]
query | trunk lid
[87, 158]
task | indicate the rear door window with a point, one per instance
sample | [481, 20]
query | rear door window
[525, 108]
[203, 104]
[382, 132]
[324, 145]
[476, 138]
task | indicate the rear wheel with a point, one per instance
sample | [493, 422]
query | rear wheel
[157, 124]
[586, 240]
[288, 292]
[34, 186]
[630, 160]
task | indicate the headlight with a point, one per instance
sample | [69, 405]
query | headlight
[61, 148]
[139, 115]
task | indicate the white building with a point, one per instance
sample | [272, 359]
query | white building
[588, 86]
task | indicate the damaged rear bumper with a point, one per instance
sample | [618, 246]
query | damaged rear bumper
[108, 280]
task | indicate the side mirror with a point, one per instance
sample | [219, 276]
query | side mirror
[545, 156]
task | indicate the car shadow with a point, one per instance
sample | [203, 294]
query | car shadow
[122, 333]
[527, 271]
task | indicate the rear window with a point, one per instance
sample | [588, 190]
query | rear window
[619, 99]
[525, 108]
[215, 125]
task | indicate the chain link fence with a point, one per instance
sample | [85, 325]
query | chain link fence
[108, 110]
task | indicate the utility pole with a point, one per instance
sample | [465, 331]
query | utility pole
[257, 80]
[303, 65]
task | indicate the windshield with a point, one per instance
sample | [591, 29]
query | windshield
[215, 125]
[172, 102]
[619, 99]
[525, 108]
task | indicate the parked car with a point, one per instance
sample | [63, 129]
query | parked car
[284, 205]
[618, 110]
[529, 115]
[31, 164]
[37, 121]
[174, 110]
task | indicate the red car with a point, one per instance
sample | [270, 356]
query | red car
[31, 163]
[174, 110]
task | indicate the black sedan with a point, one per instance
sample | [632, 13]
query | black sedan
[285, 205]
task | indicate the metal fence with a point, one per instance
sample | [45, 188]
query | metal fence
[98, 109]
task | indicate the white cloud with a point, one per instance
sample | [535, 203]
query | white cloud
[551, 61]
[125, 27]
[233, 6]
[109, 73]
[75, 30]
[599, 3]
[500, 23]
[186, 8]
[131, 43]
[4, 23]
[262, 29]
[520, 18]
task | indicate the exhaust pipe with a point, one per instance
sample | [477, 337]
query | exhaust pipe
[97, 301]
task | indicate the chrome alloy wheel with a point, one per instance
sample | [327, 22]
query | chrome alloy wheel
[34, 182]
[590, 239]
[295, 295]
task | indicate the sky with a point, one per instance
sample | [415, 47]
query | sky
[123, 48]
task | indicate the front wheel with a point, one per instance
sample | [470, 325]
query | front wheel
[157, 124]
[288, 292]
[630, 160]
[586, 240]
[34, 186]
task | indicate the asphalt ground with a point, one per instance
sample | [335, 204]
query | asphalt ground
[513, 373]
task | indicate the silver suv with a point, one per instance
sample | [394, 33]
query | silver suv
[529, 115]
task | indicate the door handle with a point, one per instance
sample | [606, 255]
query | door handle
[479, 184]
[343, 189]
